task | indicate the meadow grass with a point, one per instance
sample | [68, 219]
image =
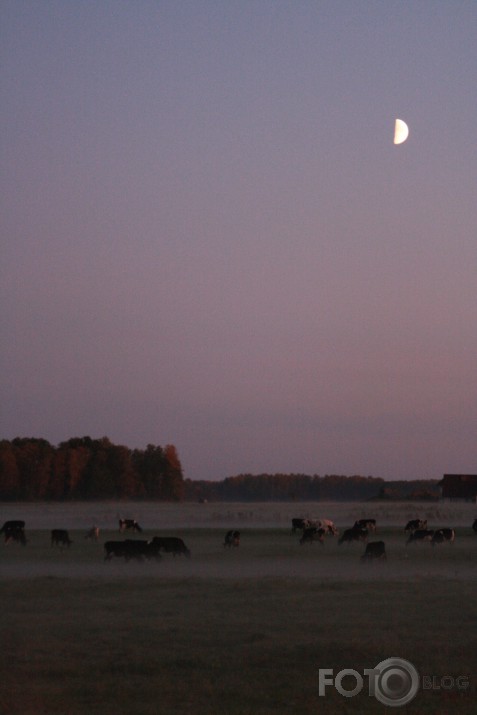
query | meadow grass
[236, 632]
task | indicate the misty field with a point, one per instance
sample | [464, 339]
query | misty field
[232, 631]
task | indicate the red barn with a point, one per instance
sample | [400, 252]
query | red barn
[459, 486]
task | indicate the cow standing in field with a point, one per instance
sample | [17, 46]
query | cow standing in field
[415, 524]
[369, 524]
[474, 526]
[171, 545]
[441, 535]
[125, 524]
[420, 535]
[353, 534]
[374, 550]
[328, 526]
[232, 538]
[298, 524]
[93, 533]
[60, 537]
[311, 534]
[14, 530]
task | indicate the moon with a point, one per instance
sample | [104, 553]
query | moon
[401, 131]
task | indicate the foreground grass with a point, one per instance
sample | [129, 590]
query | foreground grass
[148, 641]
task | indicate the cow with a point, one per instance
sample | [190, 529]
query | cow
[474, 526]
[328, 526]
[353, 534]
[311, 534]
[12, 524]
[299, 524]
[14, 533]
[441, 535]
[374, 550]
[171, 545]
[416, 524]
[125, 524]
[232, 538]
[60, 537]
[93, 533]
[420, 535]
[369, 524]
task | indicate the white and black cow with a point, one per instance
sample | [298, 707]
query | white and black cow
[420, 535]
[60, 537]
[328, 526]
[414, 524]
[441, 535]
[374, 550]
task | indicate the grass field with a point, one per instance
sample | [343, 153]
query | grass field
[236, 632]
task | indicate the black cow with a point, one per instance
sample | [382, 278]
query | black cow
[60, 537]
[232, 538]
[441, 535]
[474, 526]
[14, 533]
[354, 534]
[125, 524]
[420, 535]
[298, 524]
[171, 545]
[12, 524]
[128, 549]
[369, 524]
[416, 524]
[311, 534]
[374, 550]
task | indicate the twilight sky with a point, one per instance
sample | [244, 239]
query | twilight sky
[209, 238]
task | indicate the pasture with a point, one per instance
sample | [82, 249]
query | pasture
[240, 631]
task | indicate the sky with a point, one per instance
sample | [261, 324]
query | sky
[209, 239]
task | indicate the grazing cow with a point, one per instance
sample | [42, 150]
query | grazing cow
[298, 524]
[353, 534]
[93, 533]
[416, 524]
[311, 534]
[441, 535]
[232, 538]
[369, 524]
[474, 526]
[328, 526]
[12, 524]
[60, 537]
[374, 550]
[125, 524]
[420, 535]
[171, 545]
[14, 533]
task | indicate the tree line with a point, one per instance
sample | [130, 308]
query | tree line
[84, 468]
[302, 487]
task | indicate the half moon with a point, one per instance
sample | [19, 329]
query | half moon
[401, 131]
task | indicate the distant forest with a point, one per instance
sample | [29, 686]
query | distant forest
[82, 468]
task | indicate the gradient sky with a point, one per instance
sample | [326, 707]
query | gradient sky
[209, 238]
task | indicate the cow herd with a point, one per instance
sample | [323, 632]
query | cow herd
[312, 530]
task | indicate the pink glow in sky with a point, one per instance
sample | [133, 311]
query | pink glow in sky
[209, 238]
